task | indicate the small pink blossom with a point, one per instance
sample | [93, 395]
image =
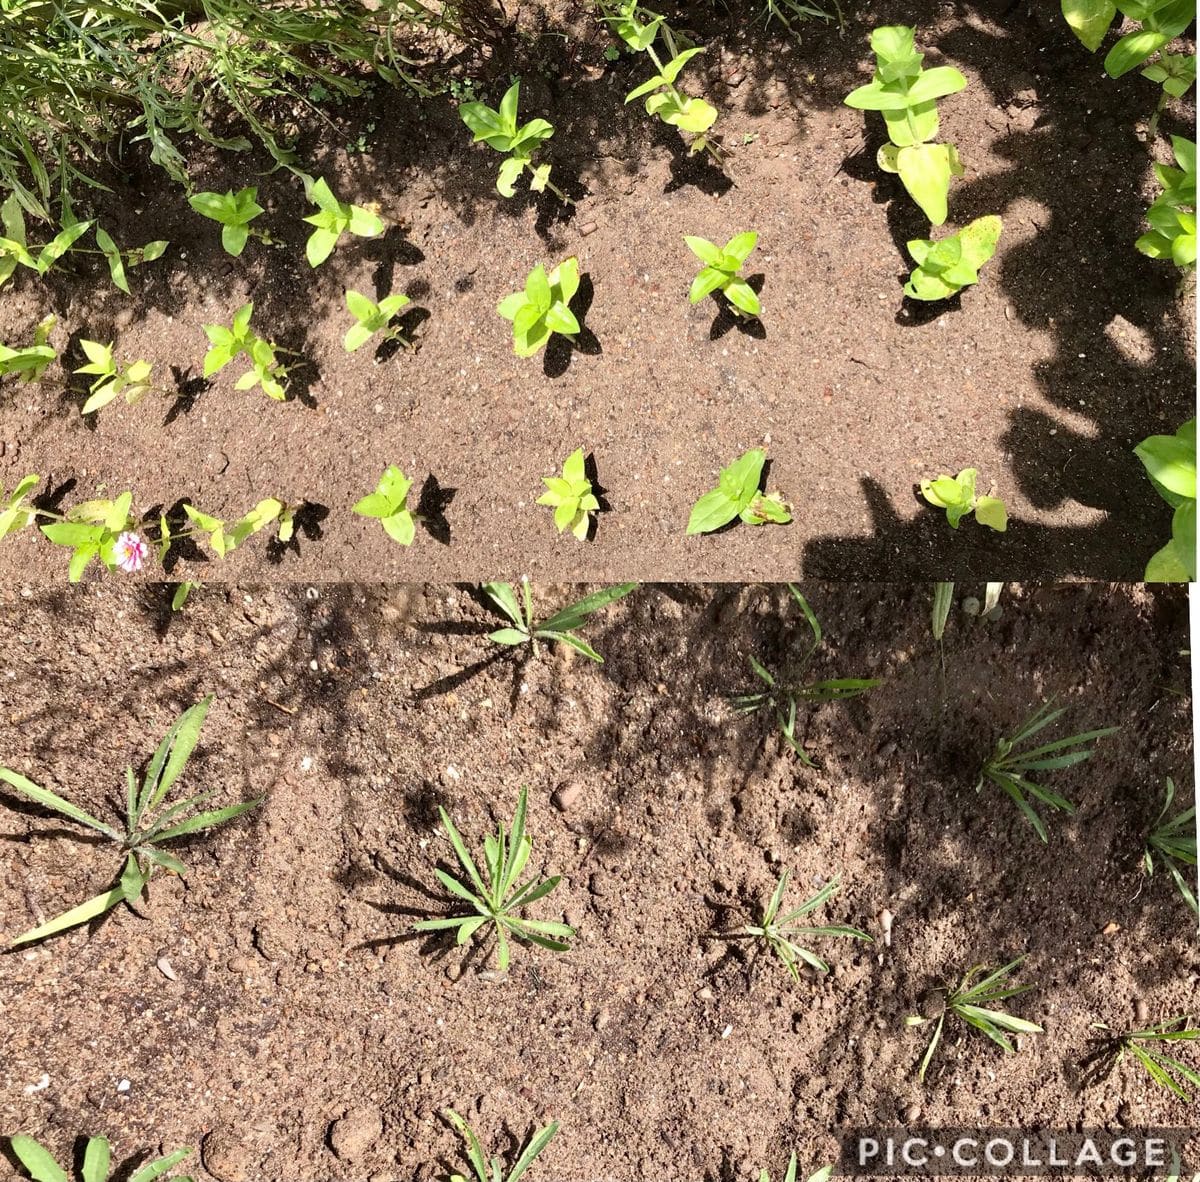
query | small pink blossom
[130, 552]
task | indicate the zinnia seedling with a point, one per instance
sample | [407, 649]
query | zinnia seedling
[945, 267]
[1009, 768]
[956, 494]
[102, 529]
[234, 211]
[1165, 1070]
[543, 308]
[1170, 462]
[1172, 216]
[559, 627]
[225, 538]
[497, 1173]
[371, 317]
[149, 822]
[780, 934]
[974, 1002]
[1173, 842]
[721, 271]
[32, 361]
[571, 497]
[131, 380]
[493, 896]
[238, 340]
[738, 495]
[1160, 22]
[42, 1167]
[333, 219]
[388, 504]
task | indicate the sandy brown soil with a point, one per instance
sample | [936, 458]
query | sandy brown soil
[1072, 349]
[299, 1001]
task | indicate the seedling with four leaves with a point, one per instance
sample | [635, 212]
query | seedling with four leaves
[571, 497]
[150, 823]
[559, 627]
[494, 896]
[945, 267]
[1008, 769]
[738, 495]
[906, 95]
[234, 212]
[1170, 462]
[498, 128]
[722, 271]
[388, 504]
[97, 1160]
[239, 340]
[333, 219]
[974, 1001]
[780, 934]
[371, 317]
[132, 380]
[543, 308]
[956, 494]
[785, 697]
[1173, 842]
[480, 1170]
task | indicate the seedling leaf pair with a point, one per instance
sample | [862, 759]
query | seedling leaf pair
[479, 1164]
[225, 538]
[234, 212]
[571, 497]
[97, 1155]
[238, 340]
[371, 317]
[738, 495]
[131, 380]
[388, 504]
[498, 129]
[945, 267]
[956, 494]
[543, 308]
[721, 271]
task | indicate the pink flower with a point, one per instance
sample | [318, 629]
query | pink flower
[130, 552]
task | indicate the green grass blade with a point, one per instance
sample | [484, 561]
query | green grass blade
[463, 892]
[474, 1149]
[172, 755]
[503, 596]
[529, 1154]
[573, 616]
[933, 1042]
[74, 917]
[460, 850]
[157, 1168]
[813, 622]
[51, 800]
[207, 820]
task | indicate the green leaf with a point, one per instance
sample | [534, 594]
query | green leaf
[157, 1168]
[84, 913]
[45, 797]
[96, 1159]
[116, 264]
[400, 527]
[712, 511]
[37, 1160]
[1089, 20]
[320, 245]
[990, 511]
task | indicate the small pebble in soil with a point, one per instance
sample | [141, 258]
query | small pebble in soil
[1141, 1010]
[567, 796]
[354, 1134]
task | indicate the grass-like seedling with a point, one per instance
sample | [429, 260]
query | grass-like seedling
[228, 343]
[1170, 462]
[333, 219]
[1009, 768]
[371, 317]
[559, 627]
[234, 212]
[498, 128]
[956, 494]
[571, 497]
[388, 504]
[973, 1001]
[722, 271]
[39, 1163]
[780, 934]
[494, 896]
[1172, 215]
[1173, 842]
[497, 1172]
[148, 827]
[543, 308]
[1144, 1045]
[822, 1175]
[132, 380]
[785, 696]
[738, 495]
[945, 267]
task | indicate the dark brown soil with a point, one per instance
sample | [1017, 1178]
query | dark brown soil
[1072, 349]
[298, 998]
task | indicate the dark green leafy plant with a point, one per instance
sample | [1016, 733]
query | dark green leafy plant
[945, 267]
[1173, 842]
[956, 494]
[1172, 215]
[41, 1166]
[780, 934]
[1147, 1047]
[497, 1172]
[494, 896]
[975, 1003]
[239, 340]
[559, 627]
[738, 495]
[1161, 21]
[333, 219]
[721, 271]
[148, 824]
[1170, 462]
[543, 308]
[785, 696]
[498, 129]
[234, 212]
[388, 504]
[906, 95]
[571, 497]
[371, 317]
[1008, 769]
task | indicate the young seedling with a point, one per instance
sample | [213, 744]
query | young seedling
[571, 497]
[1172, 215]
[1176, 74]
[229, 343]
[112, 380]
[493, 896]
[371, 317]
[1009, 769]
[333, 219]
[1161, 21]
[388, 504]
[785, 697]
[974, 1002]
[102, 529]
[780, 934]
[822, 1175]
[663, 98]
[1165, 1070]
[148, 824]
[31, 362]
[1170, 462]
[15, 511]
[543, 308]
[945, 267]
[235, 212]
[907, 95]
[41, 1166]
[722, 271]
[559, 627]
[956, 494]
[225, 538]
[738, 495]
[498, 129]
[480, 1170]
[1173, 842]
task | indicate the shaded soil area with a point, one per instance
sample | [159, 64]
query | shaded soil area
[304, 1033]
[1071, 350]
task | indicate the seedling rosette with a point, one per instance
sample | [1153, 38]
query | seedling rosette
[112, 381]
[498, 128]
[234, 212]
[543, 308]
[571, 497]
[371, 317]
[956, 494]
[480, 1170]
[388, 505]
[945, 267]
[560, 627]
[721, 271]
[1172, 216]
[738, 495]
[239, 340]
[333, 219]
[1173, 842]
